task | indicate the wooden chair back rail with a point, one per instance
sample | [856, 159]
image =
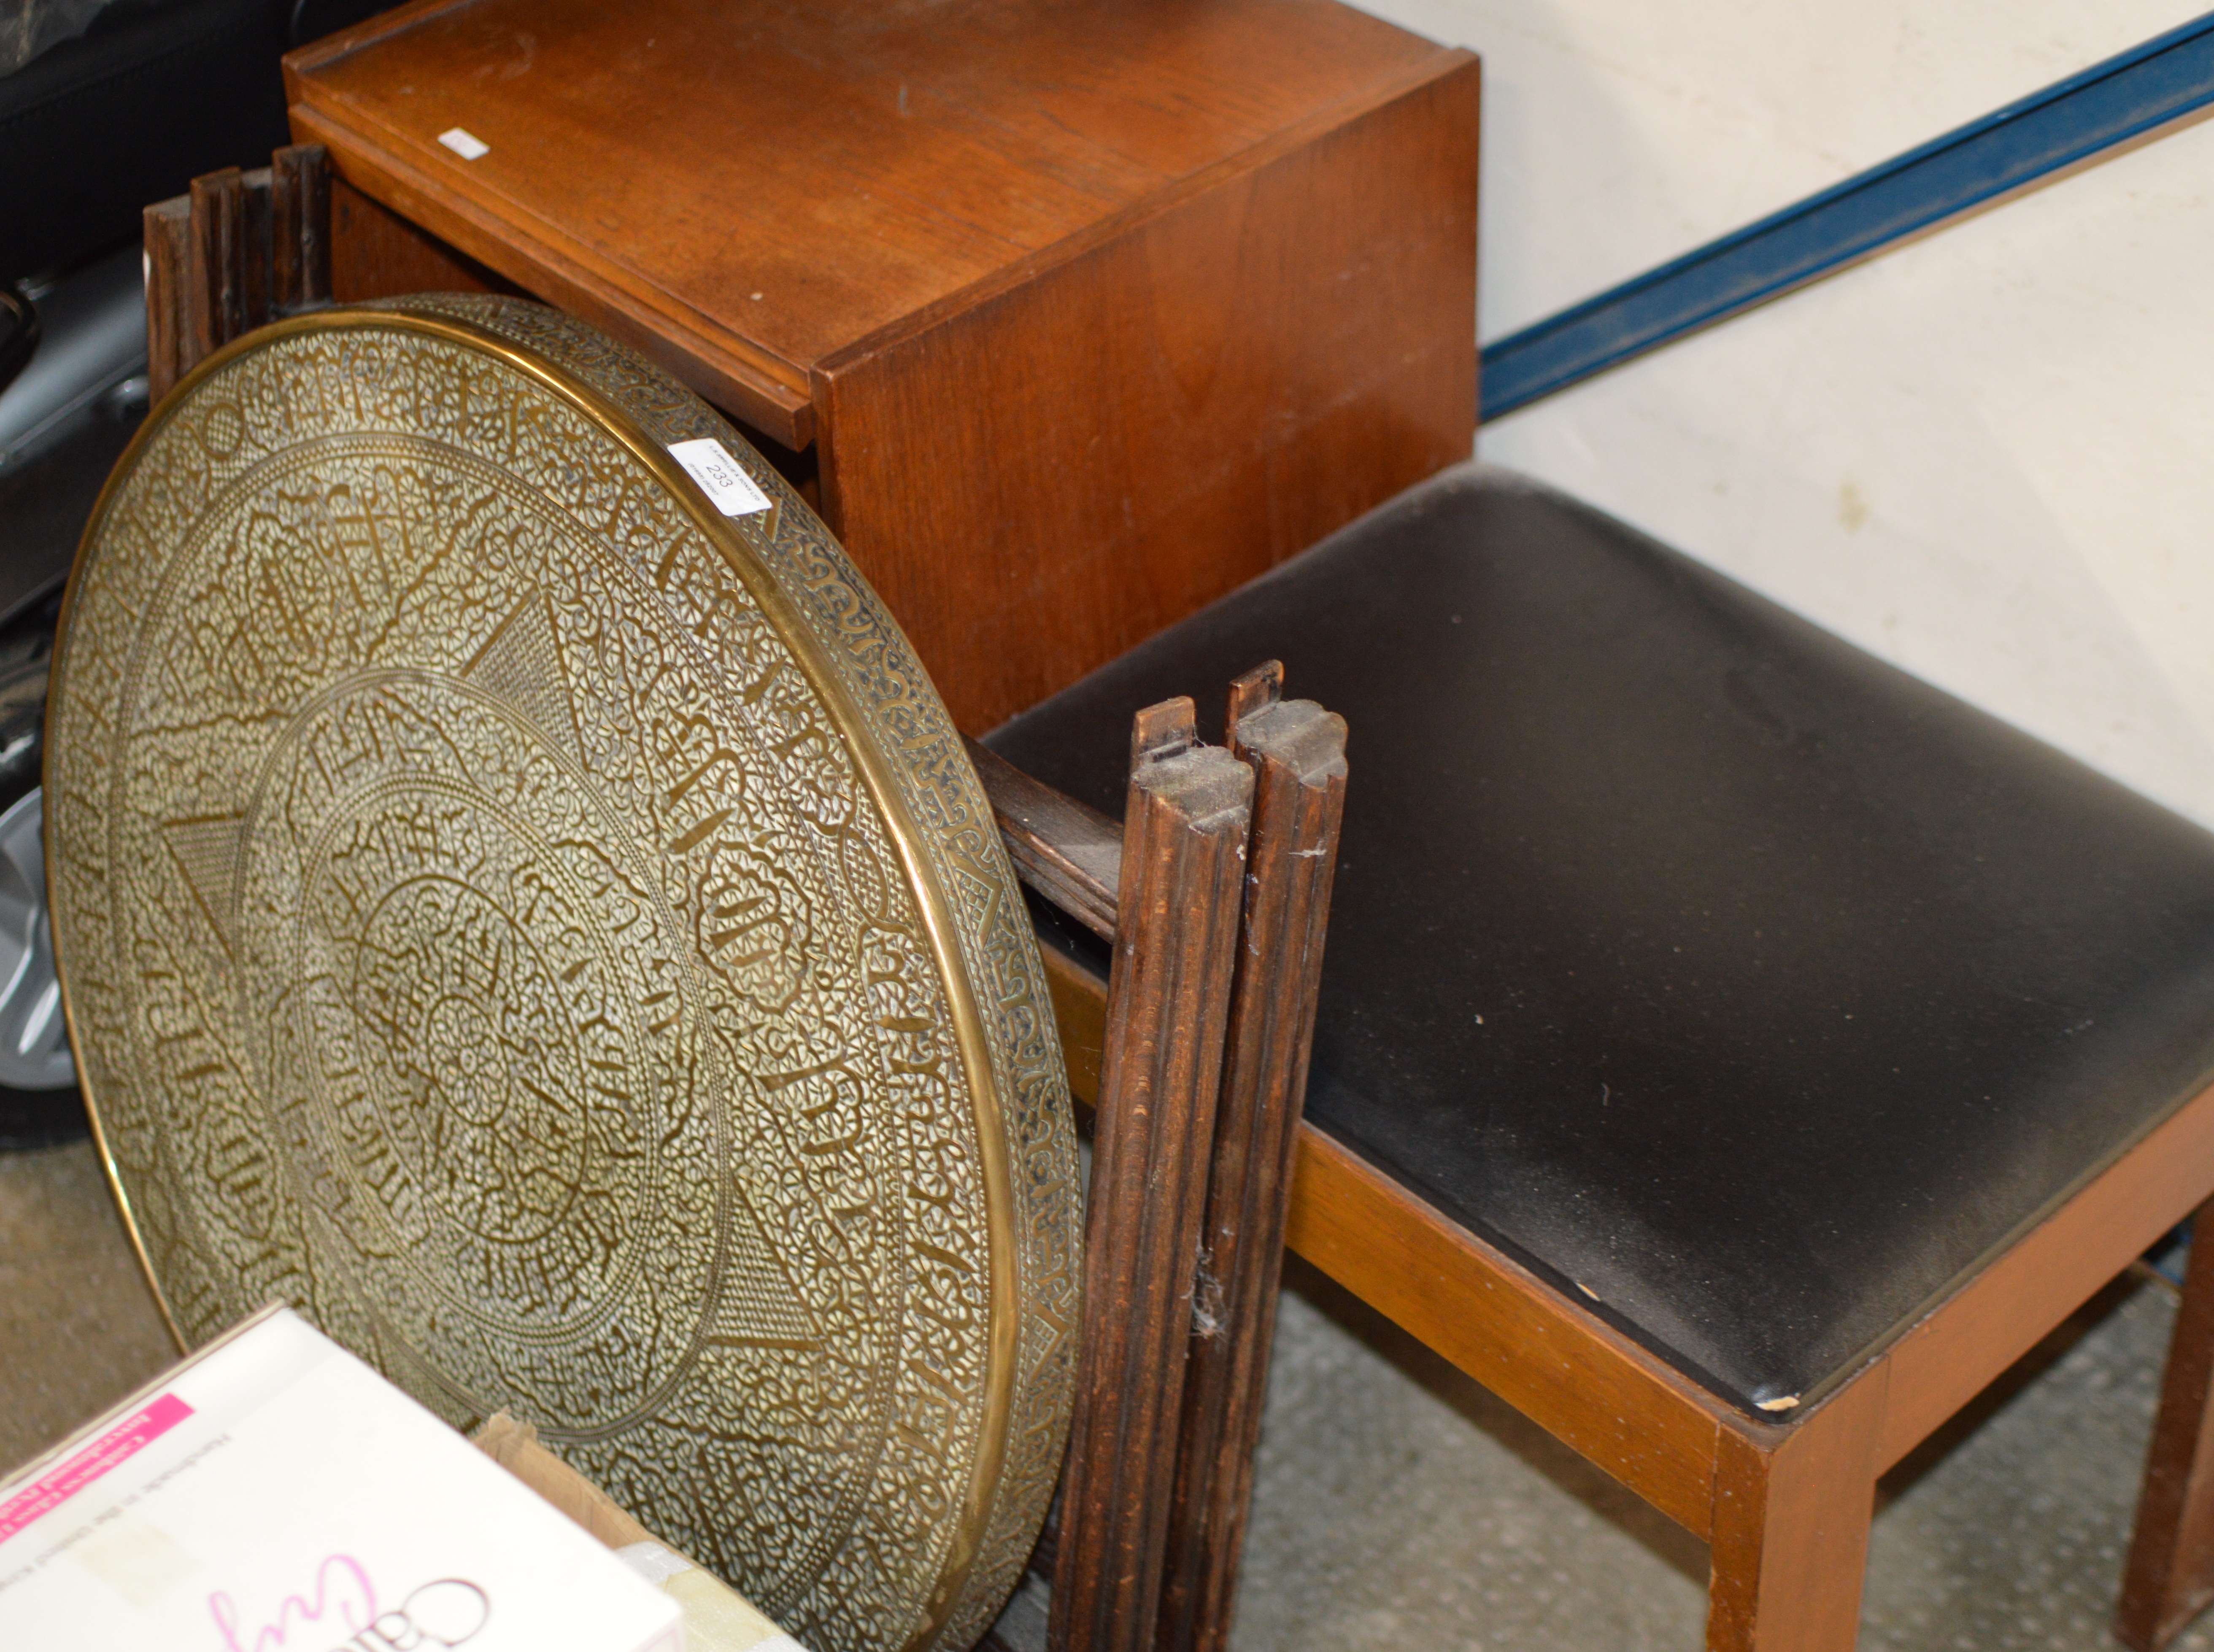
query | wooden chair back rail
[1068, 851]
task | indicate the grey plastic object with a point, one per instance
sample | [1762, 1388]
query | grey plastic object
[92, 348]
[34, 1052]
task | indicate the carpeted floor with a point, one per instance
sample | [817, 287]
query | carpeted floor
[1399, 1505]
[78, 1327]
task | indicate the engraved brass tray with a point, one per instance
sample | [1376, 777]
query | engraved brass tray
[547, 930]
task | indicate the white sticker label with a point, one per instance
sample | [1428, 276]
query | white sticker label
[466, 145]
[710, 466]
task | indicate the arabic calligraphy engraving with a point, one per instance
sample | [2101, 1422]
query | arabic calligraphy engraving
[483, 932]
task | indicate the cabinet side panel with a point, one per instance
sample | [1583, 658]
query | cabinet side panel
[376, 254]
[1040, 481]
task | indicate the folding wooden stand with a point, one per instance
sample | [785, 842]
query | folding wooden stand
[1182, 1484]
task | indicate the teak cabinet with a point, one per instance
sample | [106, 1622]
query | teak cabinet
[1077, 315]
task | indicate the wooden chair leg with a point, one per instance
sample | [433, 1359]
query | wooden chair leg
[1298, 754]
[1791, 1529]
[2170, 1577]
[1183, 860]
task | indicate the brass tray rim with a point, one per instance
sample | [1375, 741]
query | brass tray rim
[1002, 1342]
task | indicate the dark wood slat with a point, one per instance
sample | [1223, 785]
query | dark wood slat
[1168, 1002]
[168, 315]
[300, 229]
[1297, 750]
[254, 269]
[215, 288]
[1068, 853]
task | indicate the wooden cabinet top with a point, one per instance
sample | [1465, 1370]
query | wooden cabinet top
[746, 188]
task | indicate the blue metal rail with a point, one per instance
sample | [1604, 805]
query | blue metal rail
[2166, 81]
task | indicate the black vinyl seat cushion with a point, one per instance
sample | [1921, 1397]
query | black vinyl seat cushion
[1751, 990]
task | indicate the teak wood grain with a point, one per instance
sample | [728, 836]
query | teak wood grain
[1184, 858]
[1297, 752]
[226, 262]
[170, 347]
[1130, 426]
[299, 228]
[376, 254]
[1091, 314]
[964, 136]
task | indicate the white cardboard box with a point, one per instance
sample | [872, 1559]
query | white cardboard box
[273, 1494]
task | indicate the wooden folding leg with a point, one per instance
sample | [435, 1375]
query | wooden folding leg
[227, 272]
[299, 228]
[171, 350]
[1790, 1528]
[235, 253]
[1184, 849]
[1298, 754]
[2170, 1577]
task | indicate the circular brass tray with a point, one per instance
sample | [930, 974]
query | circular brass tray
[548, 929]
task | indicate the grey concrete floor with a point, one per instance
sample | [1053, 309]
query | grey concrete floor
[1397, 1504]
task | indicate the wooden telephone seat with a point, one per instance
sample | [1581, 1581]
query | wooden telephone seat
[1732, 1052]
